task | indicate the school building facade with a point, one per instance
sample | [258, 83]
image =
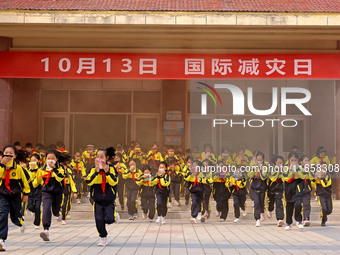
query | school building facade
[48, 94]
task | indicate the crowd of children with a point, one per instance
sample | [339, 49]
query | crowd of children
[43, 181]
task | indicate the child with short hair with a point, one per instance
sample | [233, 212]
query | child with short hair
[162, 191]
[132, 174]
[148, 184]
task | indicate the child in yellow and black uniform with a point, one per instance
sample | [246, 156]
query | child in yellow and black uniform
[207, 191]
[196, 178]
[34, 197]
[293, 185]
[102, 179]
[185, 185]
[154, 157]
[69, 188]
[132, 174]
[320, 156]
[51, 177]
[121, 168]
[208, 154]
[275, 190]
[324, 192]
[221, 192]
[308, 177]
[147, 193]
[137, 155]
[120, 150]
[88, 158]
[258, 175]
[175, 172]
[237, 186]
[162, 191]
[13, 182]
[79, 174]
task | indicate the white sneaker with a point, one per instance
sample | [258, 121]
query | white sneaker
[163, 220]
[158, 219]
[68, 216]
[143, 216]
[63, 222]
[23, 228]
[269, 214]
[45, 235]
[288, 227]
[88, 195]
[300, 225]
[193, 220]
[262, 217]
[135, 216]
[258, 223]
[280, 223]
[117, 218]
[199, 216]
[78, 201]
[36, 227]
[131, 218]
[151, 220]
[236, 220]
[2, 245]
[102, 242]
[306, 223]
[169, 205]
[218, 214]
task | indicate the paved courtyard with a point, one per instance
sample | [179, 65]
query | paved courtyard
[177, 237]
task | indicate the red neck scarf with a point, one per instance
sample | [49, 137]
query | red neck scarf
[103, 181]
[7, 179]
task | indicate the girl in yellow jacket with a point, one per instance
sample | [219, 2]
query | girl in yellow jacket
[102, 179]
[13, 182]
[51, 177]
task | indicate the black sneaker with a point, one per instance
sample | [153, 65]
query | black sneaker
[323, 224]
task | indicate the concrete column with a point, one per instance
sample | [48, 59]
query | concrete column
[6, 101]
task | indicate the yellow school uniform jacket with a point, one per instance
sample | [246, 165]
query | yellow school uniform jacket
[102, 184]
[316, 160]
[88, 159]
[132, 178]
[226, 161]
[195, 155]
[13, 179]
[78, 168]
[51, 181]
[211, 158]
[139, 158]
[154, 159]
[68, 180]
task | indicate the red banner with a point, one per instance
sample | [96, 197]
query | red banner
[168, 66]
